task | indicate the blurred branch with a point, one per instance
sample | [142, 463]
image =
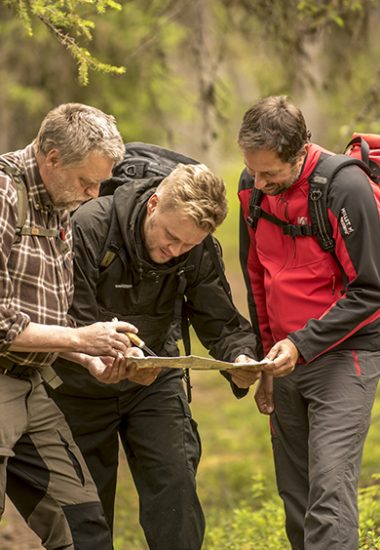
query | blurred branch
[162, 20]
[71, 30]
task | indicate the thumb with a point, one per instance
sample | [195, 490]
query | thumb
[273, 352]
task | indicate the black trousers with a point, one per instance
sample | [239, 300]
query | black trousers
[162, 447]
[321, 418]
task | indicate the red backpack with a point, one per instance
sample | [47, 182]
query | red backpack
[366, 147]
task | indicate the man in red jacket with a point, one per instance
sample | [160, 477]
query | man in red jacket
[317, 316]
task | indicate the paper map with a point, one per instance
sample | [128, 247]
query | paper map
[191, 362]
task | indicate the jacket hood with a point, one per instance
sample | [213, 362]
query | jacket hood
[130, 201]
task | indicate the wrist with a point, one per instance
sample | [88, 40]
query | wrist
[76, 357]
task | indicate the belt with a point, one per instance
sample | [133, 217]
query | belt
[23, 372]
[18, 371]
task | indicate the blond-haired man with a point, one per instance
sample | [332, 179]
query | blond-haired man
[163, 226]
[76, 148]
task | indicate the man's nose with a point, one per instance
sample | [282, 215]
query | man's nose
[176, 249]
[93, 190]
[260, 181]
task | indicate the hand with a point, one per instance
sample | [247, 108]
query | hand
[284, 356]
[105, 369]
[264, 394]
[244, 377]
[139, 376]
[104, 338]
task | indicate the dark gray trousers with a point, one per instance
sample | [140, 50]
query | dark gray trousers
[322, 415]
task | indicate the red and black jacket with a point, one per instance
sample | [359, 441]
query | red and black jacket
[296, 289]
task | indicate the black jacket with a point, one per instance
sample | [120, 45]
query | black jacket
[136, 290]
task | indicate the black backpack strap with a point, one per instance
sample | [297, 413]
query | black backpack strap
[365, 151]
[319, 182]
[180, 314]
[364, 148]
[293, 230]
[113, 245]
[256, 212]
[215, 251]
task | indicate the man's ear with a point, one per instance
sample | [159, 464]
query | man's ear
[53, 158]
[152, 203]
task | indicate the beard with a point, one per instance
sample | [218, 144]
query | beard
[274, 189]
[71, 206]
[65, 199]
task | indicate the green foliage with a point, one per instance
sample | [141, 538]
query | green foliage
[259, 523]
[323, 13]
[369, 508]
[254, 525]
[69, 27]
[193, 67]
[152, 95]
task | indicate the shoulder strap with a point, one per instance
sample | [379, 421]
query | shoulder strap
[180, 316]
[22, 204]
[255, 211]
[319, 182]
[113, 244]
[22, 198]
[215, 251]
[364, 148]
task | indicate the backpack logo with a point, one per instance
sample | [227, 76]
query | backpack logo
[345, 222]
[302, 220]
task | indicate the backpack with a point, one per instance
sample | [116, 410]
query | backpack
[363, 150]
[145, 160]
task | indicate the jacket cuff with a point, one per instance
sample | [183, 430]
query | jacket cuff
[238, 392]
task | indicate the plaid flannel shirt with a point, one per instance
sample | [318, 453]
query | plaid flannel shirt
[36, 278]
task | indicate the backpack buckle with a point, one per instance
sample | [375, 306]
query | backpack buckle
[315, 194]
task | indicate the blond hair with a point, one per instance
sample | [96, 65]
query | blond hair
[197, 192]
[75, 130]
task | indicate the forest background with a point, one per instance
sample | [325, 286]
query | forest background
[181, 73]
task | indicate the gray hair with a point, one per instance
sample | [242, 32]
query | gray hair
[275, 124]
[197, 192]
[75, 130]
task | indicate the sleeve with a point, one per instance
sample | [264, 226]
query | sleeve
[12, 321]
[253, 272]
[354, 216]
[220, 327]
[223, 331]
